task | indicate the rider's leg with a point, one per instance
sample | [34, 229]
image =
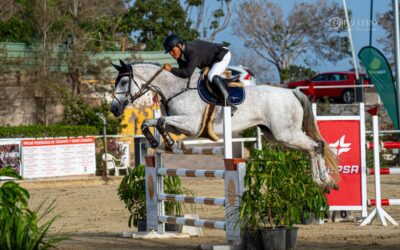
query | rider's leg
[214, 77]
[223, 94]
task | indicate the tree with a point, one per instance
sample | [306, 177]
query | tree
[83, 20]
[153, 20]
[386, 21]
[248, 58]
[213, 24]
[283, 41]
[17, 22]
[297, 73]
[42, 81]
[61, 30]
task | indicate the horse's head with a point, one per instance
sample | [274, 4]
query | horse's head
[126, 89]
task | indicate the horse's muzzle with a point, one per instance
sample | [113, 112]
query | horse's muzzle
[116, 109]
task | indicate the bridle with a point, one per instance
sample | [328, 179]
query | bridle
[142, 90]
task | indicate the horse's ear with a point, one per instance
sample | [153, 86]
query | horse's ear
[123, 65]
[117, 67]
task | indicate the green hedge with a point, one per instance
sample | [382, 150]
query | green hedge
[46, 131]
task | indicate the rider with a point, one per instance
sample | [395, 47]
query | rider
[200, 54]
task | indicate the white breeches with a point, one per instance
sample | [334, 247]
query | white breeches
[219, 67]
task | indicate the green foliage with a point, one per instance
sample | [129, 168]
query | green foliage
[173, 185]
[155, 19]
[132, 191]
[19, 227]
[250, 132]
[279, 189]
[78, 112]
[36, 131]
[21, 26]
[195, 2]
[296, 73]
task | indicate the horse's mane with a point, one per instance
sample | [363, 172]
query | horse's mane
[150, 63]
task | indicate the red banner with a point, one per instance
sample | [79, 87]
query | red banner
[343, 137]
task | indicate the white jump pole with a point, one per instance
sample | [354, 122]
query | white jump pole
[378, 210]
[227, 125]
[364, 195]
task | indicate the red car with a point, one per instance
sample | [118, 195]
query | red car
[344, 94]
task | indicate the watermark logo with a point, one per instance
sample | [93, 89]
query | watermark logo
[338, 23]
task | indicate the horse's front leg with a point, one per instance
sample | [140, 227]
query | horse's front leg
[161, 127]
[147, 133]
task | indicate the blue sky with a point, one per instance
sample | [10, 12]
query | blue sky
[360, 11]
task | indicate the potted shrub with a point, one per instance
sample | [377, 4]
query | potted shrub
[300, 194]
[251, 217]
[132, 191]
[262, 184]
[279, 189]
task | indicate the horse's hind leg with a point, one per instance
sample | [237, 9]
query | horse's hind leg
[267, 133]
[299, 142]
[302, 142]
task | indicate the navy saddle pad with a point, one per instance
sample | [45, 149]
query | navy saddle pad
[236, 94]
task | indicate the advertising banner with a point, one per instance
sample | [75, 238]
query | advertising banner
[10, 155]
[58, 157]
[343, 137]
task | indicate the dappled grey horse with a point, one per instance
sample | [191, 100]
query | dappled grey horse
[284, 115]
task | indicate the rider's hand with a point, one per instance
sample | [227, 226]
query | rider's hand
[167, 67]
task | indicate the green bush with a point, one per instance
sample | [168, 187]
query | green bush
[279, 189]
[36, 131]
[19, 227]
[78, 112]
[132, 191]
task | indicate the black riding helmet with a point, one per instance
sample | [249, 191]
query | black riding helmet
[171, 41]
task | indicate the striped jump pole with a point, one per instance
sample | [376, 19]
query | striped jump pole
[386, 144]
[385, 171]
[194, 151]
[385, 202]
[378, 210]
[233, 176]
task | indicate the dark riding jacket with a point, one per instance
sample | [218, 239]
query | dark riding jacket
[198, 54]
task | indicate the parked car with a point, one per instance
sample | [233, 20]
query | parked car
[345, 79]
[246, 76]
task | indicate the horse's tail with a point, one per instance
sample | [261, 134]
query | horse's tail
[310, 127]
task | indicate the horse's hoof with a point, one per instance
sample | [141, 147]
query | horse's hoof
[154, 144]
[170, 143]
[327, 190]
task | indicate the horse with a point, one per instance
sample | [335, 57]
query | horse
[283, 115]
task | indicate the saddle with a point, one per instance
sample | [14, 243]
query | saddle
[207, 92]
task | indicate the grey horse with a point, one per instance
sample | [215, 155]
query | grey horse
[284, 115]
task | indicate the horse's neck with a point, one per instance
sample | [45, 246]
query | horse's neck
[168, 84]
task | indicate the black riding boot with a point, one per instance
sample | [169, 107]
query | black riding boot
[218, 82]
